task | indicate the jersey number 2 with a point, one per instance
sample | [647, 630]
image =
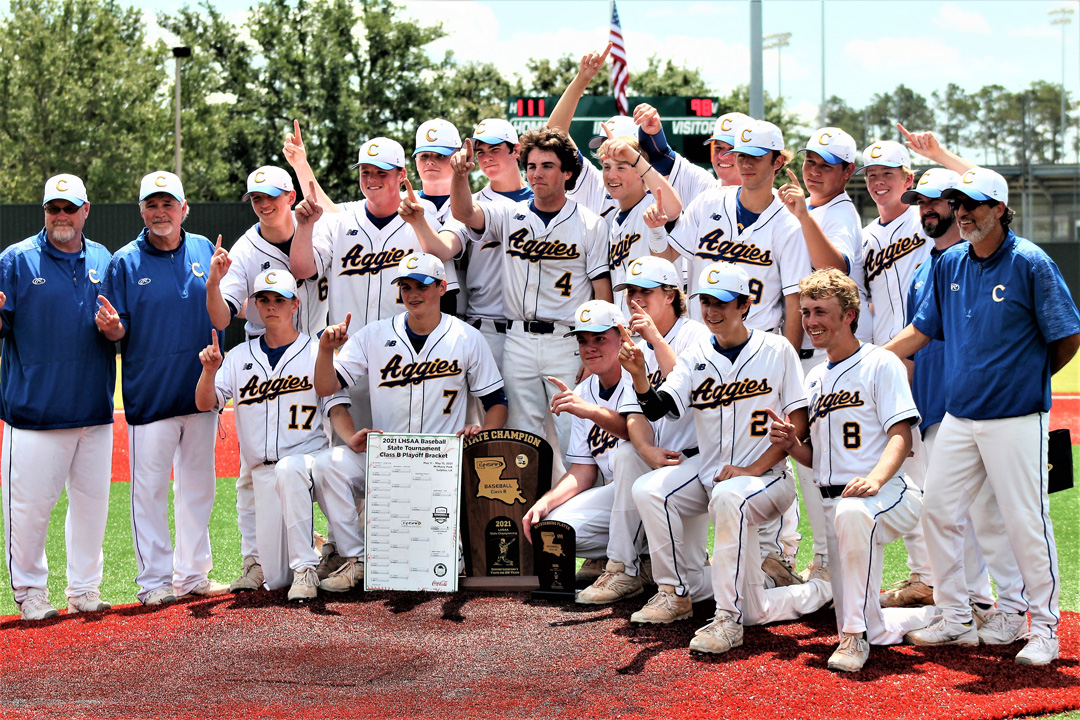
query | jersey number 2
[759, 423]
[294, 423]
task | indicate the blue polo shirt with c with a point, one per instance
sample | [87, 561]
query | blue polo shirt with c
[929, 376]
[997, 315]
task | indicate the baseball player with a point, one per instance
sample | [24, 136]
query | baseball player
[861, 412]
[652, 290]
[279, 422]
[583, 497]
[556, 257]
[163, 274]
[727, 383]
[57, 377]
[999, 303]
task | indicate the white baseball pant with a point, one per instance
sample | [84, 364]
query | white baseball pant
[182, 447]
[626, 537]
[283, 518]
[589, 513]
[338, 474]
[528, 358]
[37, 466]
[474, 409]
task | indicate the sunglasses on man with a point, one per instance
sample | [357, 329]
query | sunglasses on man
[969, 203]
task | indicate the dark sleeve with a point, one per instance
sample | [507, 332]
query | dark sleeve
[494, 398]
[655, 404]
[657, 151]
[448, 303]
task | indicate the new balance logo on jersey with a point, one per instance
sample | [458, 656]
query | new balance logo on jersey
[394, 374]
[600, 441]
[711, 394]
[954, 287]
[519, 217]
[701, 366]
[357, 262]
[620, 250]
[877, 263]
[711, 247]
[716, 216]
[390, 343]
[144, 281]
[266, 266]
[537, 250]
[247, 366]
[354, 231]
[822, 405]
[253, 391]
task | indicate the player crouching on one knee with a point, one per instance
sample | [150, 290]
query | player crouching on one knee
[583, 497]
[861, 412]
[271, 379]
[728, 382]
[419, 366]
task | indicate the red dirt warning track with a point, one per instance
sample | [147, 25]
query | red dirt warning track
[398, 655]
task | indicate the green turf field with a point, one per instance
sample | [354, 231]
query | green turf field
[1068, 380]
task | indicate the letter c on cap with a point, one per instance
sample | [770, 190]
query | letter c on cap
[259, 176]
[429, 133]
[373, 150]
[412, 262]
[824, 138]
[969, 176]
[62, 185]
[725, 124]
[585, 315]
[742, 135]
[635, 269]
[271, 277]
[710, 277]
[875, 152]
[160, 181]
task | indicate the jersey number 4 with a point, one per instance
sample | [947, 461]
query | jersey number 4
[295, 414]
[563, 283]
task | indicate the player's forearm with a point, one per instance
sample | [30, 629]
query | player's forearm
[610, 421]
[641, 432]
[907, 342]
[563, 113]
[495, 417]
[218, 309]
[1062, 351]
[462, 206]
[793, 329]
[672, 203]
[602, 289]
[443, 245]
[341, 421]
[823, 254]
[802, 453]
[305, 176]
[205, 392]
[302, 253]
[895, 453]
[952, 161]
[665, 357]
[577, 479]
[767, 461]
[326, 379]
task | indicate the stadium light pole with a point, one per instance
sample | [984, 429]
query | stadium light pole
[1062, 17]
[179, 53]
[823, 121]
[757, 93]
[778, 41]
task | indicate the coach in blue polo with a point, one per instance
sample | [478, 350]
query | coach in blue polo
[1008, 322]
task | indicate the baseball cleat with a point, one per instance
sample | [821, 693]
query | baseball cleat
[942, 632]
[590, 570]
[1002, 628]
[330, 561]
[781, 573]
[346, 577]
[37, 607]
[644, 570]
[719, 636]
[612, 586]
[664, 607]
[251, 576]
[305, 585]
[852, 653]
[818, 568]
[88, 602]
[910, 592]
[1038, 651]
[160, 596]
[206, 588]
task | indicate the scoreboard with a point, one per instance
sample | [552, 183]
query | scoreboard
[688, 121]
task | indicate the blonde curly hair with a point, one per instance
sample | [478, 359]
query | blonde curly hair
[830, 282]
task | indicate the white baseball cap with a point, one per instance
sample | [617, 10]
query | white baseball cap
[437, 136]
[65, 187]
[833, 145]
[161, 181]
[649, 272]
[382, 152]
[980, 184]
[618, 126]
[275, 280]
[724, 281]
[887, 153]
[596, 316]
[757, 138]
[422, 267]
[931, 184]
[726, 126]
[494, 131]
[270, 180]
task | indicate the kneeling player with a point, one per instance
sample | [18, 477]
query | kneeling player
[731, 382]
[861, 413]
[270, 379]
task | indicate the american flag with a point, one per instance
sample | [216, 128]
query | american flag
[619, 73]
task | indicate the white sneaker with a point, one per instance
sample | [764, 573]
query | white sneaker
[207, 588]
[664, 607]
[590, 570]
[305, 585]
[1038, 651]
[88, 602]
[612, 586]
[1002, 628]
[160, 596]
[251, 576]
[779, 571]
[852, 654]
[940, 632]
[719, 636]
[37, 607]
[345, 578]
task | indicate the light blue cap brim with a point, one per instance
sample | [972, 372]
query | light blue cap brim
[376, 163]
[729, 139]
[282, 293]
[435, 149]
[637, 283]
[750, 150]
[973, 194]
[721, 295]
[78, 202]
[825, 155]
[880, 164]
[589, 328]
[490, 139]
[266, 189]
[418, 277]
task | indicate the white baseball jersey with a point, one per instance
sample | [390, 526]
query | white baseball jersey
[277, 411]
[852, 406]
[668, 433]
[251, 255]
[589, 443]
[419, 392]
[690, 180]
[891, 253]
[629, 241]
[728, 400]
[590, 190]
[547, 268]
[361, 262]
[444, 221]
[841, 224]
[771, 250]
[483, 275]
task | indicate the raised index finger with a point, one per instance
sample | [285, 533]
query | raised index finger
[218, 246]
[625, 334]
[904, 131]
[468, 148]
[213, 340]
[659, 195]
[607, 51]
[296, 132]
[557, 383]
[774, 416]
[408, 188]
[105, 303]
[792, 175]
[604, 127]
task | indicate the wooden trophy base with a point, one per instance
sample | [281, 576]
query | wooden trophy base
[506, 583]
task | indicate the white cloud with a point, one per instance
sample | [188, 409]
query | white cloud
[953, 18]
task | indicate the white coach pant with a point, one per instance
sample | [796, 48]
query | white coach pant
[283, 518]
[474, 409]
[858, 530]
[589, 513]
[626, 537]
[338, 473]
[37, 466]
[182, 447]
[737, 506]
[528, 358]
[1009, 454]
[674, 508]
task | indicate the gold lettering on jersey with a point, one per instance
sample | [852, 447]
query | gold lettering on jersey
[357, 262]
[655, 378]
[537, 250]
[489, 471]
[394, 374]
[600, 441]
[877, 263]
[713, 248]
[256, 391]
[822, 405]
[711, 394]
[620, 249]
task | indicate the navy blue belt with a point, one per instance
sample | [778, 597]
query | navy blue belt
[540, 327]
[832, 491]
[500, 325]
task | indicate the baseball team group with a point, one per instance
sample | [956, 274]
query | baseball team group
[700, 349]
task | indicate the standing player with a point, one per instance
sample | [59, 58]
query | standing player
[556, 257]
[861, 412]
[56, 384]
[279, 420]
[162, 274]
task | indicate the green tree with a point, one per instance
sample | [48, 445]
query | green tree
[956, 111]
[839, 114]
[667, 78]
[82, 94]
[550, 77]
[901, 105]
